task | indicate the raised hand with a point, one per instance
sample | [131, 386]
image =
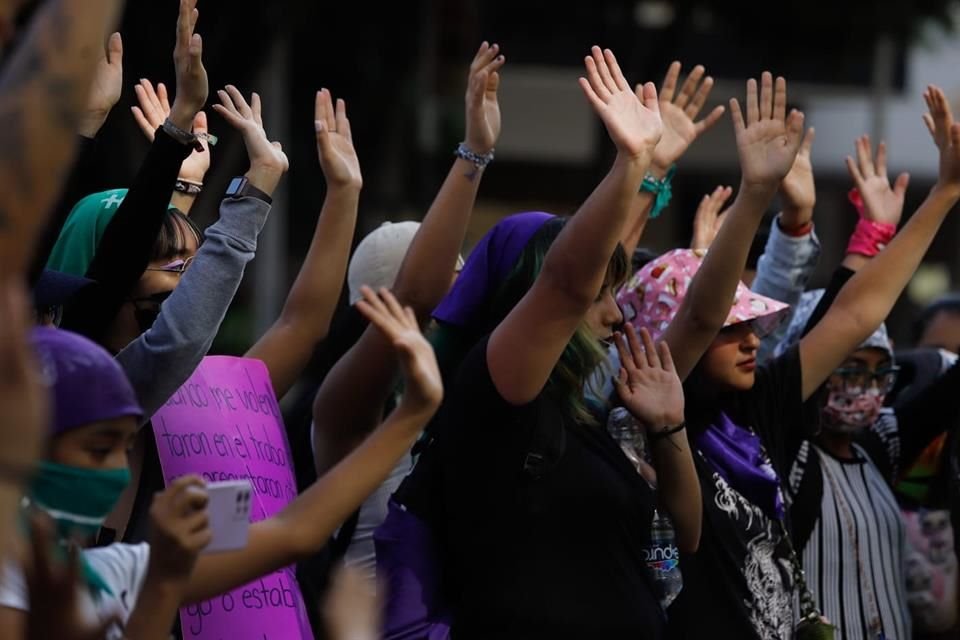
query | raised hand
[881, 202]
[338, 158]
[708, 219]
[153, 109]
[180, 529]
[647, 381]
[768, 141]
[268, 162]
[423, 388]
[56, 608]
[192, 85]
[798, 188]
[633, 121]
[946, 135]
[679, 112]
[106, 87]
[483, 108]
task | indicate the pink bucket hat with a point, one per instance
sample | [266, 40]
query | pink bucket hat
[653, 295]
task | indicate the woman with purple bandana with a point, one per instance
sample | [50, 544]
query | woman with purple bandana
[743, 418]
[538, 518]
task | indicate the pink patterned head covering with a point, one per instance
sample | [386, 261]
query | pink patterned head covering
[653, 295]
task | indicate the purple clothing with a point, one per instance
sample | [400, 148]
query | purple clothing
[489, 264]
[86, 384]
[407, 566]
[735, 453]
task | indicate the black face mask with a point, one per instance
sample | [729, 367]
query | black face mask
[147, 309]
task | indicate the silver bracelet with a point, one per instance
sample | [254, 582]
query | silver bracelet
[479, 161]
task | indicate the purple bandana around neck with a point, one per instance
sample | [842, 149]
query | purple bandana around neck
[488, 266]
[735, 453]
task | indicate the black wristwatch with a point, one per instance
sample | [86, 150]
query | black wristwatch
[240, 187]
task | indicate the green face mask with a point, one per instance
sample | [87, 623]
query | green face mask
[78, 500]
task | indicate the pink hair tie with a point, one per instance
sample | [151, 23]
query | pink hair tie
[870, 238]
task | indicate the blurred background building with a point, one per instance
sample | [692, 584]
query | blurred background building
[854, 67]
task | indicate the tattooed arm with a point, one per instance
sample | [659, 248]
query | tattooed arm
[42, 93]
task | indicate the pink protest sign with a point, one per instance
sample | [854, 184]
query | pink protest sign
[224, 423]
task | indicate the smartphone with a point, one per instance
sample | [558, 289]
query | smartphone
[229, 512]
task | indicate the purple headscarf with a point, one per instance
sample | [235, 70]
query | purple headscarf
[86, 383]
[488, 266]
[735, 453]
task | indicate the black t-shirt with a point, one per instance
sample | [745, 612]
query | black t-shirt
[552, 554]
[739, 583]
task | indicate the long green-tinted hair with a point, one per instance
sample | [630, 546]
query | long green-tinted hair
[583, 353]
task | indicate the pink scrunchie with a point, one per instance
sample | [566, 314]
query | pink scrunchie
[869, 238]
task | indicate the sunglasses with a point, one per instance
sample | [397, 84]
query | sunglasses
[147, 309]
[858, 380]
[177, 266]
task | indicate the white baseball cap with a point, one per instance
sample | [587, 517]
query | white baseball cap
[377, 259]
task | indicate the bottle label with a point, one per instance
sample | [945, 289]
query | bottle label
[662, 558]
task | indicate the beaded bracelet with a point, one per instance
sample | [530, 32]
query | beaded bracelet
[478, 160]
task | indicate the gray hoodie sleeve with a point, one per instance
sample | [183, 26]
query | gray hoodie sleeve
[162, 359]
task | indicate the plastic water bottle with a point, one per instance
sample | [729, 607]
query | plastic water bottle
[625, 430]
[663, 559]
[662, 556]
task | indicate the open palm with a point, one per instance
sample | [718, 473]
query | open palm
[768, 141]
[632, 122]
[338, 157]
[647, 383]
[424, 388]
[248, 120]
[482, 105]
[798, 187]
[882, 203]
[153, 109]
[946, 135]
[679, 112]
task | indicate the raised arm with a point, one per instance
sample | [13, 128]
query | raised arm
[425, 275]
[880, 203]
[708, 219]
[42, 94]
[307, 523]
[288, 345]
[866, 300]
[649, 388]
[350, 402]
[124, 250]
[526, 346]
[792, 250]
[104, 94]
[154, 108]
[162, 359]
[767, 144]
[679, 112]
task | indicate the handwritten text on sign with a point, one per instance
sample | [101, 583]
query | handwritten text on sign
[224, 424]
